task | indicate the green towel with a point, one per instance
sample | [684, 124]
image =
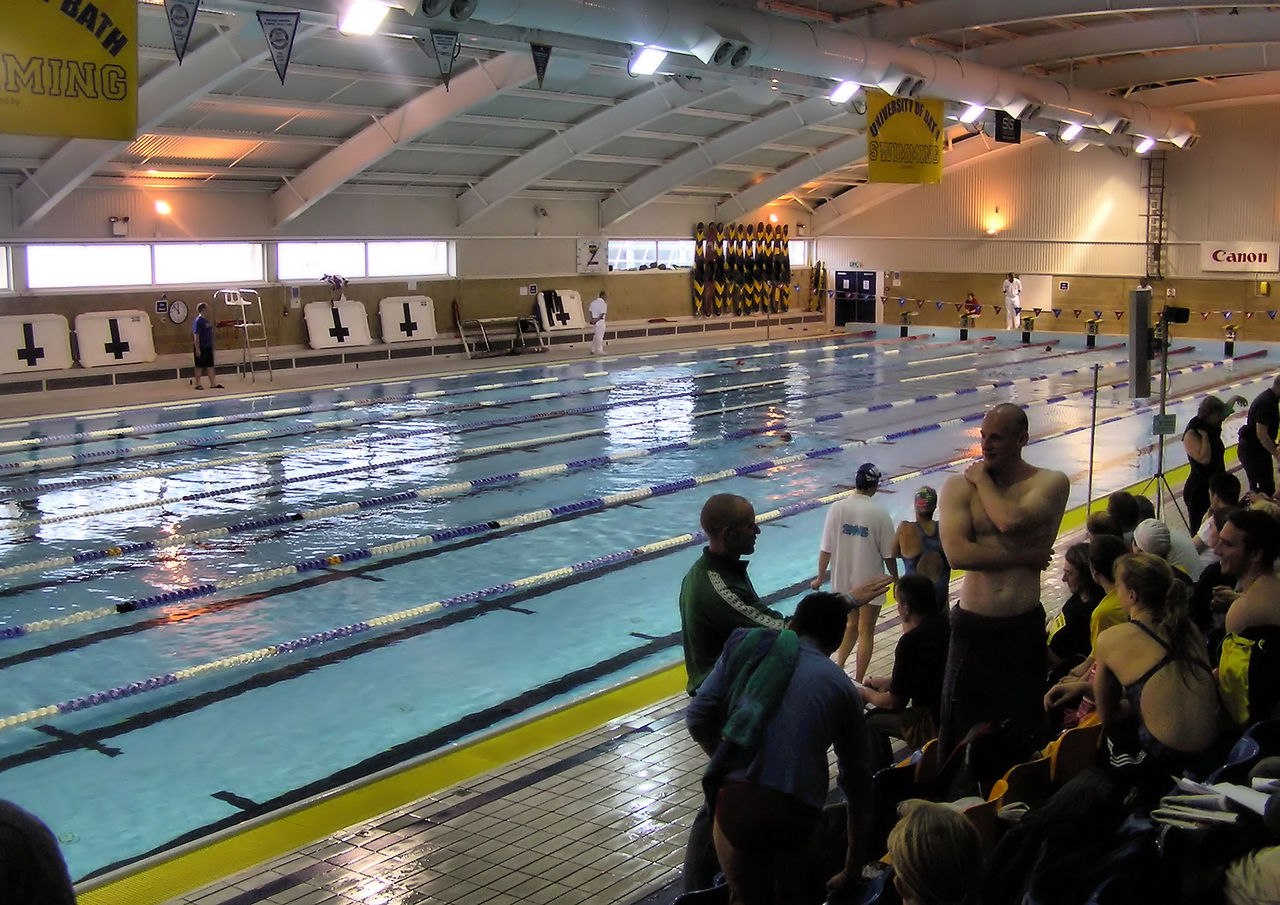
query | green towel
[761, 667]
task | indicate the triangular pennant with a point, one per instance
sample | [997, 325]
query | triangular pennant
[280, 29]
[1248, 315]
[1037, 311]
[939, 305]
[1272, 314]
[997, 308]
[959, 306]
[1057, 313]
[1076, 312]
[1097, 315]
[901, 302]
[919, 303]
[1226, 315]
[182, 15]
[1204, 315]
[1119, 314]
[541, 56]
[831, 293]
[447, 47]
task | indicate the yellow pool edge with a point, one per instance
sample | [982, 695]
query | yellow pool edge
[338, 810]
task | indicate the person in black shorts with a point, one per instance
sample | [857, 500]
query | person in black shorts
[202, 340]
[1257, 448]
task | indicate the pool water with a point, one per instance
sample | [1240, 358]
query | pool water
[544, 601]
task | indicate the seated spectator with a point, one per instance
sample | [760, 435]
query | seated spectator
[771, 708]
[1123, 507]
[1249, 663]
[32, 871]
[936, 854]
[1154, 687]
[1153, 536]
[919, 544]
[918, 665]
[1069, 641]
[1102, 522]
[1224, 494]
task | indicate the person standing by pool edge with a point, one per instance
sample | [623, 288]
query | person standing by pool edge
[202, 341]
[1012, 290]
[597, 310]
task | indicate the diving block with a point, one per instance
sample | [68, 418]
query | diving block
[337, 325]
[1028, 324]
[1091, 332]
[1230, 332]
[114, 338]
[904, 318]
[407, 318]
[35, 342]
[561, 310]
[966, 324]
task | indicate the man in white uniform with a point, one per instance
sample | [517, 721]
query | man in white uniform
[596, 311]
[857, 543]
[1012, 302]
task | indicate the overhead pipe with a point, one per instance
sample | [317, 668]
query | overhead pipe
[698, 27]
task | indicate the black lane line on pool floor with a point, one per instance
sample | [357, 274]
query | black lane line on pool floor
[78, 739]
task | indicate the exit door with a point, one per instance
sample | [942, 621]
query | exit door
[855, 297]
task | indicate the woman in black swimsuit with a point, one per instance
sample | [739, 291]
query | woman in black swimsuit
[1154, 686]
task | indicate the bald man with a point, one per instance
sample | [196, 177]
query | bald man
[999, 521]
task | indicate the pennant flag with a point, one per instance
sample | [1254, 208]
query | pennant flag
[959, 306]
[1248, 315]
[939, 304]
[996, 308]
[831, 293]
[446, 46]
[1119, 314]
[1097, 315]
[1227, 315]
[1204, 315]
[541, 56]
[919, 303]
[1075, 313]
[1057, 312]
[280, 29]
[901, 302]
[1271, 314]
[1037, 311]
[182, 15]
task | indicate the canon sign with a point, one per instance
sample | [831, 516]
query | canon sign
[1247, 257]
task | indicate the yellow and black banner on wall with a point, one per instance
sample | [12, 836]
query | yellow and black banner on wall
[904, 139]
[69, 68]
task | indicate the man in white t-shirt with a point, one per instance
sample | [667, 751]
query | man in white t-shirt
[596, 311]
[1012, 301]
[857, 543]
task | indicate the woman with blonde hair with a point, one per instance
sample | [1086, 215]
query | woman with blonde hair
[936, 855]
[1154, 687]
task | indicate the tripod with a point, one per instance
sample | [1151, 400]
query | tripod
[1163, 424]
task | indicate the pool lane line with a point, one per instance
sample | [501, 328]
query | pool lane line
[293, 411]
[463, 427]
[125, 548]
[151, 683]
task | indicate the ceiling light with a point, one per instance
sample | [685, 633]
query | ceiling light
[843, 92]
[647, 61]
[163, 208]
[1145, 145]
[361, 17]
[972, 113]
[1071, 131]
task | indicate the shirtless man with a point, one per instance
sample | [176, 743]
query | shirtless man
[998, 523]
[1249, 665]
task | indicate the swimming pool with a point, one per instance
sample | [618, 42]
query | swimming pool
[361, 575]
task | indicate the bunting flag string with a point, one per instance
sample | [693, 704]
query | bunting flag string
[1226, 315]
[1248, 315]
[1272, 314]
[1038, 311]
[182, 16]
[1204, 315]
[1097, 315]
[901, 302]
[959, 306]
[280, 30]
[939, 305]
[919, 303]
[1076, 312]
[1057, 313]
[997, 308]
[1119, 314]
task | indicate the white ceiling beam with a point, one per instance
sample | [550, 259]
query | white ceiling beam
[426, 111]
[1180, 30]
[168, 91]
[656, 183]
[790, 178]
[558, 150]
[1174, 67]
[943, 16]
[1260, 87]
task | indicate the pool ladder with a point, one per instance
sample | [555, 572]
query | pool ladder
[254, 346]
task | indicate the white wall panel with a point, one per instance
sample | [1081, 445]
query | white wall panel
[981, 256]
[478, 258]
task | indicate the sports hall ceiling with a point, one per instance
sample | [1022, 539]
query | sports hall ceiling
[370, 115]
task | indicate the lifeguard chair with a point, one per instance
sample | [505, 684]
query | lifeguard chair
[254, 346]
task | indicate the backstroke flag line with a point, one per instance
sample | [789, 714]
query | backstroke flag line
[904, 139]
[70, 68]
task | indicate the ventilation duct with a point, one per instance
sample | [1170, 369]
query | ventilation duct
[722, 53]
[740, 57]
[461, 10]
[432, 8]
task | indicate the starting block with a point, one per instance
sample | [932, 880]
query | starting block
[966, 324]
[1091, 332]
[905, 320]
[1028, 324]
[1229, 346]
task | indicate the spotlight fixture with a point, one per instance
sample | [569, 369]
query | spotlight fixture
[1071, 131]
[163, 208]
[647, 61]
[361, 17]
[843, 92]
[972, 113]
[1145, 145]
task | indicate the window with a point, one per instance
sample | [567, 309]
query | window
[408, 259]
[637, 254]
[224, 263]
[67, 266]
[5, 282]
[312, 260]
[798, 252]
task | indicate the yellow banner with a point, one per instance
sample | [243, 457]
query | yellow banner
[904, 139]
[69, 68]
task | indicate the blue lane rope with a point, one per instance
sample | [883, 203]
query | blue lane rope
[536, 516]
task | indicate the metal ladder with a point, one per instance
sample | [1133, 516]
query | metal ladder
[1154, 165]
[254, 346]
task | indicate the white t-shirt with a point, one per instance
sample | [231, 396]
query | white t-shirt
[1183, 553]
[859, 536]
[1208, 535]
[597, 308]
[1013, 291]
